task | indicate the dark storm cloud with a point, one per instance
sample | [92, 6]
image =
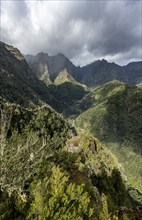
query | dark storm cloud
[82, 30]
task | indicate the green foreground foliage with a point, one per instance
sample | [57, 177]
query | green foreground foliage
[50, 172]
[114, 115]
[47, 170]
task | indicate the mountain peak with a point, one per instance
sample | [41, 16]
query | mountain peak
[41, 54]
[64, 76]
[61, 55]
[103, 61]
[14, 51]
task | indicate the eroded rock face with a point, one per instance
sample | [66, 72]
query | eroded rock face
[92, 75]
[16, 78]
[18, 83]
[55, 64]
[14, 51]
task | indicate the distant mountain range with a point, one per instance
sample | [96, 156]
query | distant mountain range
[17, 81]
[53, 65]
[92, 75]
[49, 151]
[19, 84]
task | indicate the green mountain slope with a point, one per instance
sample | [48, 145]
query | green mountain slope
[45, 74]
[24, 133]
[95, 97]
[115, 117]
[101, 72]
[64, 76]
[50, 171]
[17, 82]
[67, 93]
[115, 113]
[47, 175]
[20, 85]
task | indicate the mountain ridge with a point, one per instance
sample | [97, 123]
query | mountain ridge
[18, 83]
[50, 169]
[114, 115]
[55, 63]
[53, 156]
[93, 74]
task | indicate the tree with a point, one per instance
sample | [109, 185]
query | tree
[57, 198]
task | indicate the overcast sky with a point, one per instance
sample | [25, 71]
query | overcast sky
[82, 30]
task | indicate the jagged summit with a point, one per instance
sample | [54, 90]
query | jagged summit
[60, 55]
[64, 76]
[19, 84]
[94, 74]
[55, 64]
[13, 50]
[41, 151]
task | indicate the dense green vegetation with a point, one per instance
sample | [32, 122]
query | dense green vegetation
[44, 175]
[115, 117]
[17, 82]
[64, 76]
[20, 85]
[67, 94]
[25, 134]
[113, 113]
[48, 170]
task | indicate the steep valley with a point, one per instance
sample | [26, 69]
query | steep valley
[115, 117]
[69, 151]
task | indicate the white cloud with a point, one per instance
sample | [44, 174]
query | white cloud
[82, 30]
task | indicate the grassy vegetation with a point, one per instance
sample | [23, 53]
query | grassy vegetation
[130, 162]
[50, 172]
[20, 85]
[45, 74]
[115, 117]
[64, 76]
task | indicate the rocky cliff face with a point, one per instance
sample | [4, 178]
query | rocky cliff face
[18, 83]
[92, 75]
[102, 71]
[99, 73]
[133, 73]
[55, 64]
[50, 171]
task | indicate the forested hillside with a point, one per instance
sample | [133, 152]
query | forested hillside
[56, 177]
[19, 84]
[53, 165]
[114, 116]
